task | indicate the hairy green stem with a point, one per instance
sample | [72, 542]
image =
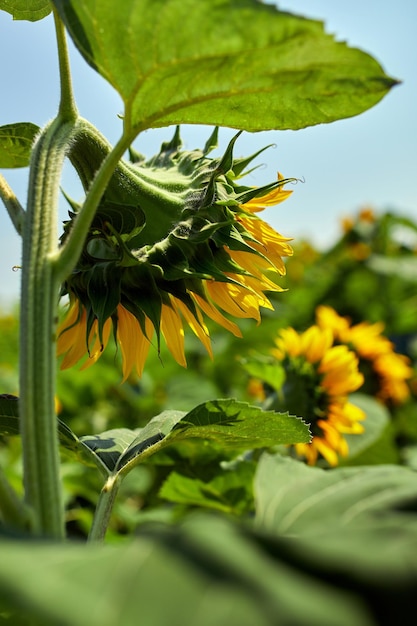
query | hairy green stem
[38, 317]
[67, 106]
[104, 508]
[12, 204]
[40, 289]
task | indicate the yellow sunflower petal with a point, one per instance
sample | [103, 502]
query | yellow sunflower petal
[197, 326]
[133, 343]
[173, 333]
[216, 316]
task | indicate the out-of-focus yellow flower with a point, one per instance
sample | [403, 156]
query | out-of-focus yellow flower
[319, 378]
[392, 370]
[206, 253]
[367, 214]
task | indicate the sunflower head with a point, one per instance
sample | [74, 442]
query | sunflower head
[174, 239]
[386, 372]
[319, 377]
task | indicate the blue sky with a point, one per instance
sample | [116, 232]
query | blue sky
[370, 159]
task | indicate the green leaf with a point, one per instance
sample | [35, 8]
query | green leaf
[230, 424]
[144, 439]
[238, 425]
[9, 414]
[296, 499]
[16, 141]
[270, 372]
[236, 63]
[206, 572]
[109, 445]
[230, 491]
[31, 10]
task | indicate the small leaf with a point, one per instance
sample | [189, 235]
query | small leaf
[268, 372]
[237, 63]
[229, 491]
[296, 499]
[31, 10]
[16, 141]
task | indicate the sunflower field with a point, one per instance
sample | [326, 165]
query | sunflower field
[202, 421]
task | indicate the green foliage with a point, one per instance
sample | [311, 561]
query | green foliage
[206, 571]
[217, 62]
[16, 142]
[31, 10]
[294, 499]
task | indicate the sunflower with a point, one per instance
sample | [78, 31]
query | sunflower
[180, 243]
[388, 371]
[319, 376]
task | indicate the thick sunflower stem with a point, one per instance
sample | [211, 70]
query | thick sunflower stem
[39, 298]
[104, 508]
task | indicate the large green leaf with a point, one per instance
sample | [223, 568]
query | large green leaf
[16, 142]
[240, 425]
[355, 528]
[230, 424]
[205, 573]
[31, 10]
[236, 63]
[293, 498]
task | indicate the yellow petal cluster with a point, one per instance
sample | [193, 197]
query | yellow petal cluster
[367, 340]
[333, 374]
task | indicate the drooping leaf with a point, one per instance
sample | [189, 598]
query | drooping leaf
[16, 142]
[9, 425]
[297, 499]
[30, 10]
[9, 414]
[235, 63]
[206, 572]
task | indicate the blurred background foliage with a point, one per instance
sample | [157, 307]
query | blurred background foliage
[369, 274]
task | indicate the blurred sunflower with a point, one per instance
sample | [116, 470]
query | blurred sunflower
[387, 372]
[318, 378]
[175, 238]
